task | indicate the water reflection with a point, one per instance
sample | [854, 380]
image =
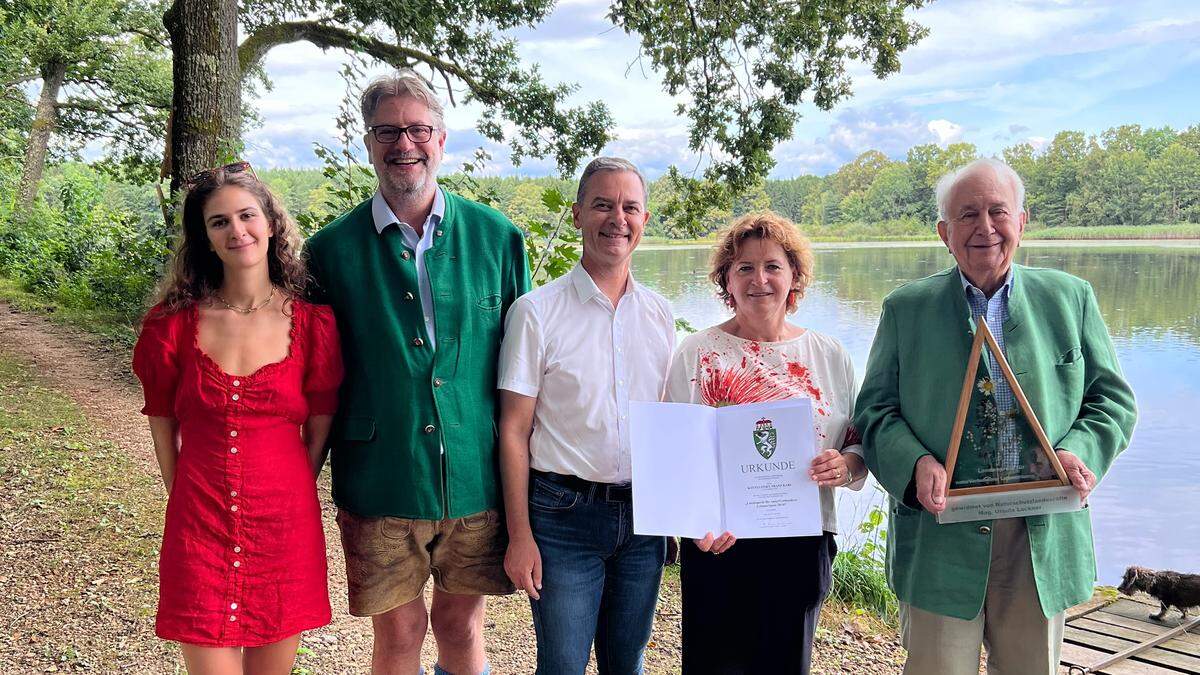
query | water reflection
[1144, 513]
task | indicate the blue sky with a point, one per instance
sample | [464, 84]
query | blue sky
[991, 73]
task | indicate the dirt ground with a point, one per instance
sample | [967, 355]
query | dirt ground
[81, 524]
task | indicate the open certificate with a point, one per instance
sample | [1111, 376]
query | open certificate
[741, 468]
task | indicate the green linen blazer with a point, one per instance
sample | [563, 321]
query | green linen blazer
[1063, 358]
[401, 401]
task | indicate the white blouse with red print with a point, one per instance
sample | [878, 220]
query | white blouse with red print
[716, 368]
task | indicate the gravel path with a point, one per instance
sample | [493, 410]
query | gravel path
[80, 573]
[50, 572]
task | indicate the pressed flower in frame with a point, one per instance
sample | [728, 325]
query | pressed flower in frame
[986, 386]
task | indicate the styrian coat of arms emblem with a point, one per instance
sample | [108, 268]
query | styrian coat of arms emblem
[765, 438]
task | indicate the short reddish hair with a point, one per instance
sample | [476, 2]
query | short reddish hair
[770, 226]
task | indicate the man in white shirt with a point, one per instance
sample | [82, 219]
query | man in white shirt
[575, 353]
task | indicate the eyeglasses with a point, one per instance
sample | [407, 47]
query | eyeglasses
[210, 174]
[417, 133]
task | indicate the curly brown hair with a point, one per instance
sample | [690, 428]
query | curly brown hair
[770, 226]
[196, 272]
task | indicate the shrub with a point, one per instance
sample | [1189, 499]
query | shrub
[859, 578]
[83, 254]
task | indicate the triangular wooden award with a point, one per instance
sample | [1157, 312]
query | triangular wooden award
[982, 334]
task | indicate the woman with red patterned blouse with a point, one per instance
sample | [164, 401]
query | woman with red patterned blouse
[753, 607]
[240, 379]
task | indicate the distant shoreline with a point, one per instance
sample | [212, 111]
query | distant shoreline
[934, 243]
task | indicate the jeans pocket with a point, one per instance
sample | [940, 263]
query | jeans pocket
[547, 496]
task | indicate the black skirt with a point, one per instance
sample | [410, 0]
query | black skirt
[753, 609]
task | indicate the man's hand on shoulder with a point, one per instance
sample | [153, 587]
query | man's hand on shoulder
[1082, 479]
[930, 476]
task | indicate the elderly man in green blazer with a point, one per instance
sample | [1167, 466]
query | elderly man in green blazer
[1006, 582]
[420, 280]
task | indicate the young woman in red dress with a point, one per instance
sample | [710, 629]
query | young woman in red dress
[240, 378]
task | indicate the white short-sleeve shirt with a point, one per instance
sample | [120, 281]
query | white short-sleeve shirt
[584, 361]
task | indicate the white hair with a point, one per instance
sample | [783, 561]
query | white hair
[946, 183]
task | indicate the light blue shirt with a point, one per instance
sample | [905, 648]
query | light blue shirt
[384, 217]
[994, 310]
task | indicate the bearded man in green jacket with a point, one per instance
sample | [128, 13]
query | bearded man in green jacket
[1005, 582]
[420, 280]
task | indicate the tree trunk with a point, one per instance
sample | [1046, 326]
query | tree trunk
[39, 136]
[206, 102]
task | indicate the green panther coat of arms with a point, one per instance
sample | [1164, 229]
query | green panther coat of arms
[765, 438]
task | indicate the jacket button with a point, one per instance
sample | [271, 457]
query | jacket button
[404, 255]
[429, 428]
[437, 382]
[417, 342]
[408, 296]
[984, 529]
[437, 233]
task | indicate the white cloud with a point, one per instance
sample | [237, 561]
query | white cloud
[891, 129]
[1041, 65]
[947, 132]
[654, 147]
[981, 41]
[796, 158]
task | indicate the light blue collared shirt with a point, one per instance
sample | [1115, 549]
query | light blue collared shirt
[384, 217]
[995, 312]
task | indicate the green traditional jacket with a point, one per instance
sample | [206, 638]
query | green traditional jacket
[1063, 358]
[402, 401]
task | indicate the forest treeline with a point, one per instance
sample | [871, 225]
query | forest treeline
[1126, 176]
[108, 75]
[95, 239]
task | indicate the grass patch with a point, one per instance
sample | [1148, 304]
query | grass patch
[849, 239]
[81, 525]
[860, 583]
[1179, 231]
[1108, 594]
[859, 575]
[108, 325]
[814, 235]
[860, 232]
[668, 241]
[51, 455]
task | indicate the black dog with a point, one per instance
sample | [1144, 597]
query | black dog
[1171, 589]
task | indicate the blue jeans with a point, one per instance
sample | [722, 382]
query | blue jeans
[599, 580]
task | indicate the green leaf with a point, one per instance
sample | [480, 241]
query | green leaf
[554, 201]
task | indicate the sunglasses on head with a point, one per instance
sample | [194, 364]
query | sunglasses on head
[210, 174]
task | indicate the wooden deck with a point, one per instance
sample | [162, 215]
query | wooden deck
[1092, 637]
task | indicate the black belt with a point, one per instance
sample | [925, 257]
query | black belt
[613, 492]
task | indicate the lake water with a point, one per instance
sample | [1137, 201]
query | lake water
[1145, 512]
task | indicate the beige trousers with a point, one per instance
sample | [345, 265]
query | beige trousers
[1020, 639]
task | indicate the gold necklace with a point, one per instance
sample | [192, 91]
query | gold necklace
[251, 309]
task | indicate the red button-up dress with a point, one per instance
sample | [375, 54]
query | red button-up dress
[243, 555]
